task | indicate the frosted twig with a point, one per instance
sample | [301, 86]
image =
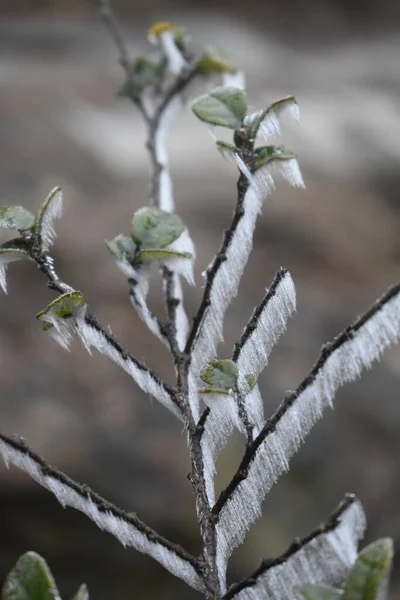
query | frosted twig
[127, 527]
[295, 547]
[328, 350]
[91, 331]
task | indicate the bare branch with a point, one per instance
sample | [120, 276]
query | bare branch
[114, 29]
[127, 527]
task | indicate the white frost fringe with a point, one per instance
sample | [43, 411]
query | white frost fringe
[124, 531]
[167, 121]
[5, 259]
[52, 209]
[227, 279]
[254, 354]
[325, 559]
[272, 456]
[90, 336]
[271, 124]
[253, 358]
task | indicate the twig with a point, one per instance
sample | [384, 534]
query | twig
[114, 29]
[45, 473]
[253, 323]
[220, 257]
[46, 265]
[294, 547]
[270, 425]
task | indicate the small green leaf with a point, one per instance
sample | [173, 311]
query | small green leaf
[369, 571]
[215, 61]
[278, 105]
[122, 247]
[153, 254]
[16, 245]
[225, 147]
[224, 106]
[320, 592]
[51, 205]
[65, 306]
[82, 593]
[251, 381]
[30, 579]
[266, 154]
[155, 228]
[219, 375]
[16, 217]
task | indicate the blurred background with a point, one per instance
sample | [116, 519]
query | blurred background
[62, 124]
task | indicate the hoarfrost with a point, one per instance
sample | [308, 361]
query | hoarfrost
[145, 379]
[51, 209]
[5, 259]
[283, 433]
[326, 558]
[270, 126]
[176, 62]
[262, 332]
[183, 266]
[166, 123]
[128, 533]
[235, 80]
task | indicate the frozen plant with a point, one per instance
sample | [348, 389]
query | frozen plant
[212, 396]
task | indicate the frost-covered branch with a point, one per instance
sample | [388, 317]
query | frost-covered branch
[93, 334]
[126, 527]
[268, 456]
[333, 543]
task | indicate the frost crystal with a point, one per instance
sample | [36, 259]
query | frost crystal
[270, 126]
[283, 433]
[91, 335]
[7, 257]
[326, 558]
[167, 121]
[51, 209]
[266, 325]
[176, 62]
[131, 532]
[236, 80]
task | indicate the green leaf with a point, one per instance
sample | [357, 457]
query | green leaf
[82, 593]
[30, 579]
[225, 147]
[224, 106]
[320, 592]
[220, 375]
[251, 381]
[16, 245]
[151, 254]
[266, 154]
[369, 571]
[155, 228]
[65, 306]
[50, 205]
[16, 217]
[274, 107]
[122, 247]
[215, 61]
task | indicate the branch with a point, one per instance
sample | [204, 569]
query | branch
[378, 339]
[93, 334]
[296, 546]
[220, 258]
[114, 29]
[126, 527]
